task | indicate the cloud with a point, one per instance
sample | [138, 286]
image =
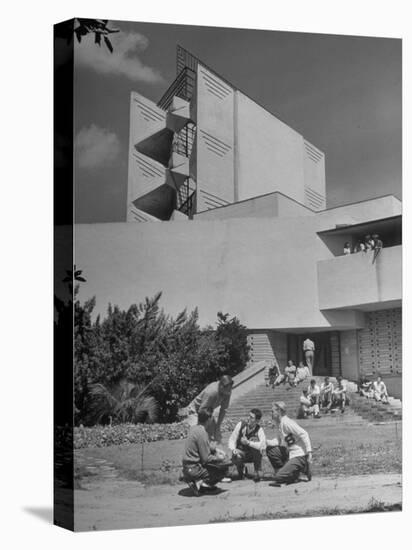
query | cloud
[123, 61]
[96, 147]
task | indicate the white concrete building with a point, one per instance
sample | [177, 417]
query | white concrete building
[235, 205]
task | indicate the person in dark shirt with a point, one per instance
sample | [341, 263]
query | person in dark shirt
[216, 396]
[378, 245]
[247, 444]
[203, 465]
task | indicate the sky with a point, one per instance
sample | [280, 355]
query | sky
[342, 93]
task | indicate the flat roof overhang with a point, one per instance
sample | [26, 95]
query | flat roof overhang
[382, 224]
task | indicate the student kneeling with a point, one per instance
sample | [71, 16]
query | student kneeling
[247, 444]
[290, 453]
[203, 465]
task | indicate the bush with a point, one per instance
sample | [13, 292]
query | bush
[171, 357]
[128, 434]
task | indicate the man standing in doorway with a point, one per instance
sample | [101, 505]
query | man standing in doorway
[309, 353]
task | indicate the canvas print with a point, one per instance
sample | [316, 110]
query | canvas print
[228, 261]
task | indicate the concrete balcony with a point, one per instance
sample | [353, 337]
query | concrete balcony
[354, 281]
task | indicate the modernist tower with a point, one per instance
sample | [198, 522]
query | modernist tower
[260, 244]
[205, 144]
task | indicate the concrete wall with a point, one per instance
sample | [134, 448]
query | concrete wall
[314, 177]
[394, 386]
[365, 211]
[215, 141]
[144, 173]
[262, 270]
[268, 346]
[354, 280]
[349, 354]
[270, 153]
[290, 208]
[267, 206]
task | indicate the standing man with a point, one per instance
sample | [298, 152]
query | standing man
[247, 443]
[216, 394]
[290, 453]
[309, 353]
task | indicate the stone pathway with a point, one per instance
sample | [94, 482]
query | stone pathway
[99, 468]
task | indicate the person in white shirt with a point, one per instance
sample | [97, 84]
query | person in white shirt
[314, 397]
[347, 248]
[379, 390]
[288, 376]
[290, 453]
[339, 395]
[326, 390]
[302, 372]
[369, 243]
[309, 353]
[305, 405]
[360, 246]
[378, 244]
[247, 444]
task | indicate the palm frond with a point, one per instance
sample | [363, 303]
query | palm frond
[124, 402]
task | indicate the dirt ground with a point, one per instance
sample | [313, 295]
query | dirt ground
[134, 486]
[118, 504]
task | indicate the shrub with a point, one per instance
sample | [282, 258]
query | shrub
[142, 346]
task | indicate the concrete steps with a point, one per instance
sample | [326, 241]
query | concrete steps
[376, 412]
[359, 410]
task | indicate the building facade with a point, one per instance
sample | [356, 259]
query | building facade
[234, 205]
[205, 144]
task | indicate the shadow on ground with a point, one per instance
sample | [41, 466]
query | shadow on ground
[42, 512]
[187, 492]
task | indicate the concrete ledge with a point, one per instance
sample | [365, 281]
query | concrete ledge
[248, 379]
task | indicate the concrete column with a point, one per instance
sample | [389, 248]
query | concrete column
[349, 354]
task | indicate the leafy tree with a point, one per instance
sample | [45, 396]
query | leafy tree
[232, 338]
[83, 27]
[144, 347]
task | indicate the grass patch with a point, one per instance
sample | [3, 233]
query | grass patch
[347, 451]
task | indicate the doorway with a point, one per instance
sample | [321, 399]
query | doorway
[323, 351]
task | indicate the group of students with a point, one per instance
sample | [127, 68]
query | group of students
[373, 389]
[205, 464]
[326, 397]
[289, 451]
[370, 242]
[292, 375]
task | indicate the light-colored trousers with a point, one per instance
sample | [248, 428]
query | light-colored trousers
[310, 359]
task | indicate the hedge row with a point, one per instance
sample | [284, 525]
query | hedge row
[127, 434]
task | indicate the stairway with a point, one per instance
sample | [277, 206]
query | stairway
[371, 410]
[359, 410]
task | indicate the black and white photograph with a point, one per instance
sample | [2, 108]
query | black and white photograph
[228, 274]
